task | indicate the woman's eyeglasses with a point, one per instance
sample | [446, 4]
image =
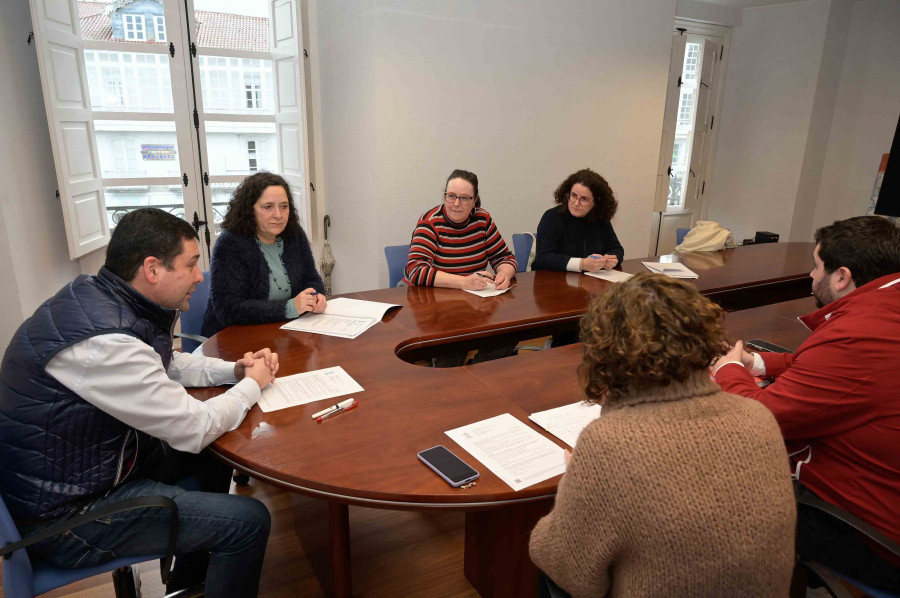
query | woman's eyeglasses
[463, 199]
[575, 198]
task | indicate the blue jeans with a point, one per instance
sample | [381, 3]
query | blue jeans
[231, 529]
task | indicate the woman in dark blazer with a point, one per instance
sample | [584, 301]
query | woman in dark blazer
[262, 265]
[576, 235]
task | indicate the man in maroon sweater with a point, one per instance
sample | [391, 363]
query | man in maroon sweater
[837, 398]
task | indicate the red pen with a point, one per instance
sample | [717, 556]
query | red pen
[331, 414]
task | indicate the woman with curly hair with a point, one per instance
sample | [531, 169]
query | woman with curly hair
[678, 489]
[262, 267]
[576, 235]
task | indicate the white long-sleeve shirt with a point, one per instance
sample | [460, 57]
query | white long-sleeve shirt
[124, 377]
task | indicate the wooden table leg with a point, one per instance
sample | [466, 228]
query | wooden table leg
[323, 528]
[496, 560]
[339, 522]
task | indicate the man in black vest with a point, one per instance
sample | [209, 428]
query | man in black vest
[93, 411]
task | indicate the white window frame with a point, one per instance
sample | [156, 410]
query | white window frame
[252, 154]
[686, 216]
[81, 188]
[138, 32]
[159, 26]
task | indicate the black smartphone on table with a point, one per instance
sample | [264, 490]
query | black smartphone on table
[454, 470]
[761, 345]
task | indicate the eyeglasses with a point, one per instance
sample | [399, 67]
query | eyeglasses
[574, 197]
[463, 199]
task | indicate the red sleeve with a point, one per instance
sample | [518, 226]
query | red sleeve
[497, 251]
[420, 268]
[776, 363]
[823, 390]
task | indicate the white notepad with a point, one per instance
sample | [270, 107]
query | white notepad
[675, 269]
[611, 275]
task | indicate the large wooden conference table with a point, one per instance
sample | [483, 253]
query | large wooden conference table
[367, 456]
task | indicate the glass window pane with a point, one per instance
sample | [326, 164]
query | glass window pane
[240, 25]
[123, 199]
[129, 148]
[128, 81]
[221, 195]
[237, 86]
[240, 148]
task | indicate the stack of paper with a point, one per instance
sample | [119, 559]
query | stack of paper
[346, 318]
[675, 269]
[515, 453]
[611, 275]
[567, 422]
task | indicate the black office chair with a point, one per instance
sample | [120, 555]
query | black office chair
[831, 578]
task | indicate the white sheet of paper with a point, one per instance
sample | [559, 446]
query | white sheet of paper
[345, 318]
[611, 275]
[674, 269]
[513, 451]
[307, 387]
[490, 291]
[331, 325]
[567, 422]
[342, 306]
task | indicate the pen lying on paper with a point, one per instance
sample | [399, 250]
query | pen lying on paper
[335, 407]
[331, 414]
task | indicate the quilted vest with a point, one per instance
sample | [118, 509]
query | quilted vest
[58, 451]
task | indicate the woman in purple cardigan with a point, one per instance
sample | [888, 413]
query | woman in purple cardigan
[262, 266]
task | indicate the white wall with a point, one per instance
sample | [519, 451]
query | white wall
[34, 259]
[521, 92]
[811, 169]
[770, 91]
[707, 12]
[866, 110]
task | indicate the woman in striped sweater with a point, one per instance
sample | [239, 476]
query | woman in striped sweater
[454, 242]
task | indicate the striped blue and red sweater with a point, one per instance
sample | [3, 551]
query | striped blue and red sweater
[441, 245]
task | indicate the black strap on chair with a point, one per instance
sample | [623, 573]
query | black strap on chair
[804, 497]
[832, 582]
[131, 504]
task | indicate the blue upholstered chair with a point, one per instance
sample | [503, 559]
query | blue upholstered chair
[397, 256]
[192, 319]
[522, 243]
[24, 577]
[680, 234]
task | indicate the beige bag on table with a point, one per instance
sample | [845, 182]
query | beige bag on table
[706, 236]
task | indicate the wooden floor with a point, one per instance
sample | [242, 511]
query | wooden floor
[395, 553]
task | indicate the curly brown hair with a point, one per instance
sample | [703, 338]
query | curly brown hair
[644, 333]
[605, 204]
[240, 218]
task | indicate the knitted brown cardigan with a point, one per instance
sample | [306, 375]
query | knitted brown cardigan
[680, 491]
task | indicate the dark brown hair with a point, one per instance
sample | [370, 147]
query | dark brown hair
[605, 204]
[144, 233]
[469, 177]
[868, 246]
[240, 218]
[644, 333]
